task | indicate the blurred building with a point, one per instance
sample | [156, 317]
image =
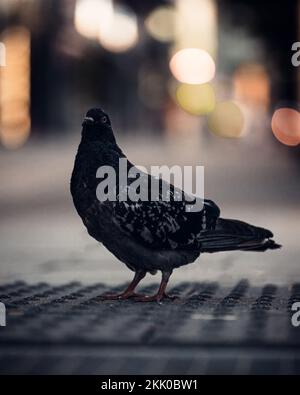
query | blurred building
[64, 56]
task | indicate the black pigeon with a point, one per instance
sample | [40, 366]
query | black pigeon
[149, 235]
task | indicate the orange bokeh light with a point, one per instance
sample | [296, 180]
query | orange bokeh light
[252, 85]
[286, 126]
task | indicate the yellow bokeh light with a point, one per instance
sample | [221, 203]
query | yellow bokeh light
[161, 23]
[197, 25]
[226, 120]
[196, 99]
[192, 66]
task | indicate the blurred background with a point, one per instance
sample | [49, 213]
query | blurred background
[188, 82]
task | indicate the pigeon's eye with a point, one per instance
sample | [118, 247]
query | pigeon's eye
[104, 119]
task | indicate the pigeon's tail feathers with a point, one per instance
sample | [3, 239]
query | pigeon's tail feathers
[235, 227]
[231, 234]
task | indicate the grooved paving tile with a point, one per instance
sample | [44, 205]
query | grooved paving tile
[210, 329]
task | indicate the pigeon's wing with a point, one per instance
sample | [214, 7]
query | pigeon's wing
[165, 224]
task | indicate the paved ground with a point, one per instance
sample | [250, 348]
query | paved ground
[211, 329]
[51, 273]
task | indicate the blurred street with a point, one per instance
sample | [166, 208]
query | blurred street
[43, 239]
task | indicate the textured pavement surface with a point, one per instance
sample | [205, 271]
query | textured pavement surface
[211, 329]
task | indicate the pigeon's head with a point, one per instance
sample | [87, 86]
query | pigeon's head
[96, 125]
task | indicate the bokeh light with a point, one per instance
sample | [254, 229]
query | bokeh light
[121, 31]
[90, 15]
[227, 120]
[192, 66]
[196, 99]
[15, 119]
[114, 26]
[286, 126]
[252, 85]
[197, 25]
[161, 23]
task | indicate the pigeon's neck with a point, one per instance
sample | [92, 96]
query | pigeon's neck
[99, 153]
[98, 147]
[97, 133]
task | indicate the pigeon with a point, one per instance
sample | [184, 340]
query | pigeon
[149, 235]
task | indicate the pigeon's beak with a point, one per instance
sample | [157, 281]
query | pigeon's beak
[88, 121]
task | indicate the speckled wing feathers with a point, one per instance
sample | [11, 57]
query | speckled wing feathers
[165, 224]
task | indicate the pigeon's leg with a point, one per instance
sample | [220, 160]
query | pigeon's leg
[161, 294]
[129, 292]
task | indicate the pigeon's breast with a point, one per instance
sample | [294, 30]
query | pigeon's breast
[83, 190]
